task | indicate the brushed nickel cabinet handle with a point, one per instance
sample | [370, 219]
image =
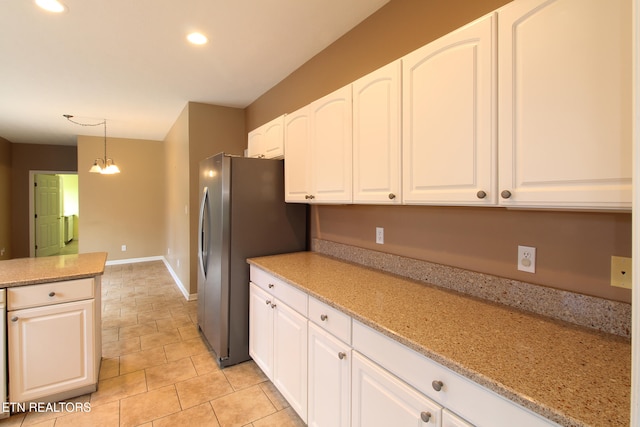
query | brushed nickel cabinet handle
[323, 317]
[273, 305]
[271, 285]
[342, 355]
[14, 319]
[52, 294]
[392, 196]
[506, 194]
[437, 385]
[425, 416]
[268, 302]
[481, 194]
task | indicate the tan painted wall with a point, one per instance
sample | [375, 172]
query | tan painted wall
[25, 158]
[176, 149]
[574, 248]
[5, 199]
[212, 129]
[123, 209]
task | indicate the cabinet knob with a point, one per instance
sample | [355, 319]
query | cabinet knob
[505, 194]
[271, 285]
[437, 385]
[392, 196]
[481, 194]
[52, 294]
[14, 319]
[323, 317]
[309, 197]
[268, 302]
[425, 416]
[273, 305]
[342, 355]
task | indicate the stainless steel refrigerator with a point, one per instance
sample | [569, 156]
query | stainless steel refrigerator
[242, 215]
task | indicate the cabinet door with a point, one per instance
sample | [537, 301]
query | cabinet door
[274, 139]
[565, 103]
[64, 333]
[331, 147]
[329, 380]
[376, 136]
[255, 143]
[449, 419]
[297, 166]
[380, 399]
[449, 139]
[261, 329]
[290, 357]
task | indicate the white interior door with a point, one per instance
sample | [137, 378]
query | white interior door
[48, 214]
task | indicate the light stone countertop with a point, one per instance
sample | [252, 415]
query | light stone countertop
[31, 271]
[571, 375]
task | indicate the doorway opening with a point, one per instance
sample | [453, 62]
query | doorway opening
[53, 207]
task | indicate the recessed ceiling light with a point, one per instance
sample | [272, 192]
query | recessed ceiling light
[51, 5]
[197, 38]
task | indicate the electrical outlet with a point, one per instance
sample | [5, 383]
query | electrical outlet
[123, 248]
[621, 272]
[527, 259]
[380, 235]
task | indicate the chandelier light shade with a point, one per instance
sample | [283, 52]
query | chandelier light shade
[103, 165]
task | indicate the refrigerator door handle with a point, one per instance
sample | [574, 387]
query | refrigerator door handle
[203, 232]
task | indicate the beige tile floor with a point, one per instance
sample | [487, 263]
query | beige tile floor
[156, 369]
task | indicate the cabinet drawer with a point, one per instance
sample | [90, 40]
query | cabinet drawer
[49, 293]
[330, 319]
[290, 295]
[473, 402]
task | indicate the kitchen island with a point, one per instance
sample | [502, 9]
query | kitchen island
[568, 374]
[30, 271]
[53, 333]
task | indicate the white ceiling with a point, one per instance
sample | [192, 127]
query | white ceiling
[128, 60]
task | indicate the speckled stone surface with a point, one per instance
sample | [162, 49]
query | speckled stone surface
[604, 315]
[31, 271]
[572, 375]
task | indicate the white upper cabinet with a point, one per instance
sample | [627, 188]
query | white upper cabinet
[448, 137]
[297, 164]
[331, 147]
[267, 141]
[377, 136]
[565, 104]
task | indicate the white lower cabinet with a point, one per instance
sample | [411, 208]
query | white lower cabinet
[380, 399]
[290, 357]
[353, 375]
[449, 419]
[329, 380]
[53, 340]
[278, 337]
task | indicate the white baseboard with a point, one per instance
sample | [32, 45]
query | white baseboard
[134, 260]
[185, 293]
[176, 279]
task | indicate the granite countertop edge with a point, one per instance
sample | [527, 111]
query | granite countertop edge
[34, 271]
[553, 414]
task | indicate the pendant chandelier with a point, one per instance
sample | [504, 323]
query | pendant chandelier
[104, 165]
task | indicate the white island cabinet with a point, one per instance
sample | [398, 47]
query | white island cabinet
[54, 344]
